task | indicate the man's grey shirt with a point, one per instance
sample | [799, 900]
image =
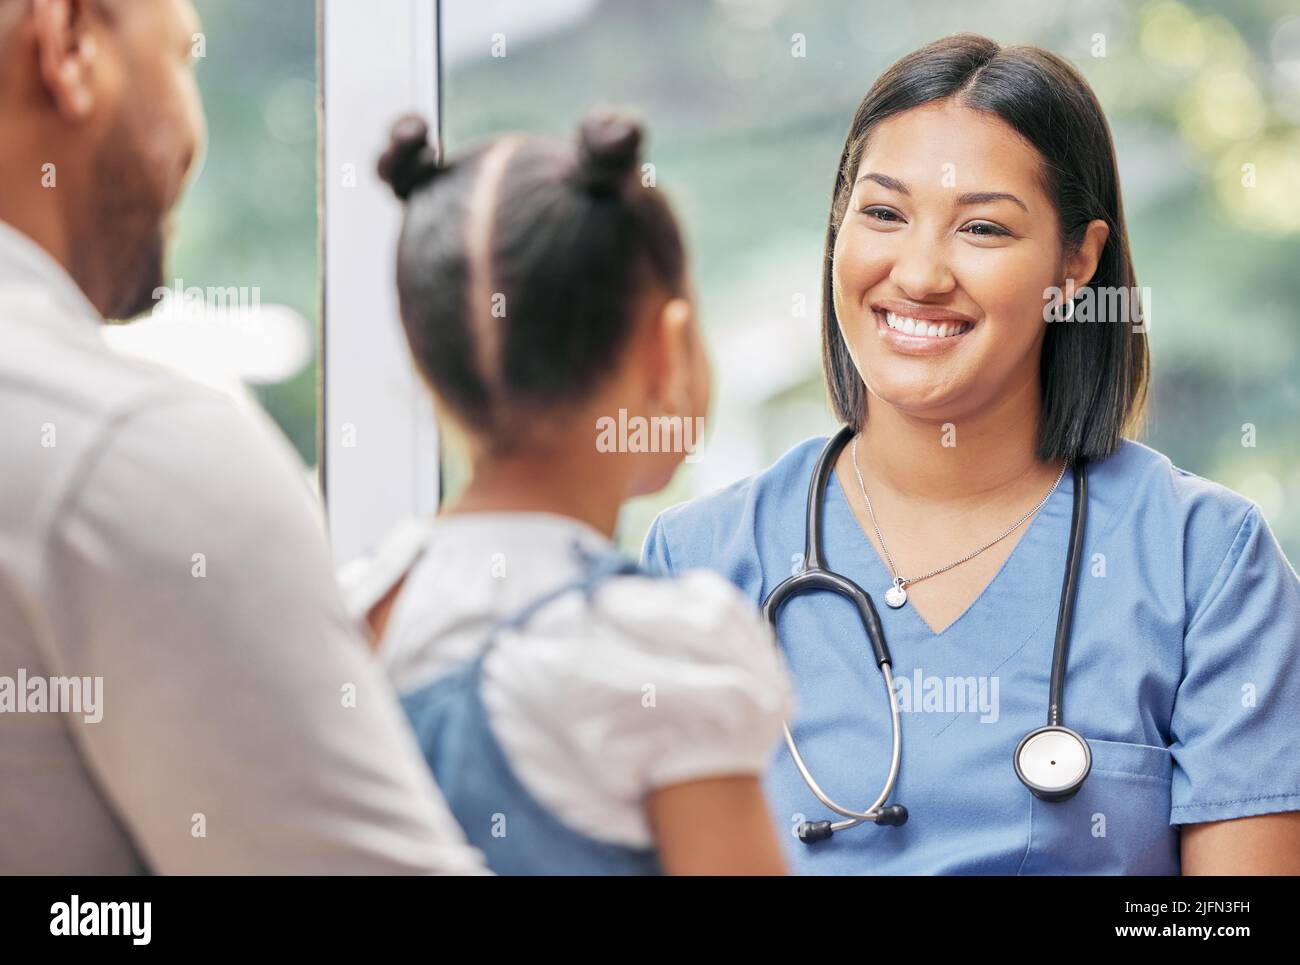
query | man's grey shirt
[158, 545]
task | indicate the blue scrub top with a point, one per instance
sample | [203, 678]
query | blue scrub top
[1183, 674]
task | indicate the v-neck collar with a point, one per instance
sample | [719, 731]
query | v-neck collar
[1037, 536]
[1014, 607]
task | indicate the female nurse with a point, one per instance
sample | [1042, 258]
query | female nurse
[976, 185]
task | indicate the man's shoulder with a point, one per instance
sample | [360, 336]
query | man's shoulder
[74, 413]
[63, 367]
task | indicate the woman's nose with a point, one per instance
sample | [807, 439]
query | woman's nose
[921, 268]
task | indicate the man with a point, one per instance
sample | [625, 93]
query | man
[180, 690]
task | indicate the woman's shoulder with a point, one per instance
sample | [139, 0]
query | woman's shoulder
[700, 531]
[1200, 530]
[1148, 482]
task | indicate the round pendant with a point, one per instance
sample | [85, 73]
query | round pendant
[896, 596]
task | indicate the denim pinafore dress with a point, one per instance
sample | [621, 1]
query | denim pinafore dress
[515, 832]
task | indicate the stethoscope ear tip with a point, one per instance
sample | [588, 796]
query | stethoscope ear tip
[810, 832]
[893, 816]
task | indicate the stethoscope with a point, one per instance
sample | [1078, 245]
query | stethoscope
[1052, 761]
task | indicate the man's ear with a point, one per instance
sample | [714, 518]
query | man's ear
[670, 354]
[1082, 263]
[67, 54]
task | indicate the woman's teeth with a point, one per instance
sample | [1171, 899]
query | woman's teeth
[916, 326]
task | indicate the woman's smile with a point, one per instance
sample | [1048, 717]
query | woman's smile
[921, 332]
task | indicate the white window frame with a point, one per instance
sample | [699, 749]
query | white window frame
[378, 59]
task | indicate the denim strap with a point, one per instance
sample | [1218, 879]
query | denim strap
[597, 568]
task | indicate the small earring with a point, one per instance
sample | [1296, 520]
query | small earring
[1070, 314]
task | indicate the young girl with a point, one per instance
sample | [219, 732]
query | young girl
[581, 717]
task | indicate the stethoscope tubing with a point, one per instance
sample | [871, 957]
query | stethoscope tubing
[814, 576]
[1065, 613]
[873, 812]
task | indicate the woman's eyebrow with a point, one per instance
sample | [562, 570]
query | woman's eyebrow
[981, 197]
[884, 180]
[971, 197]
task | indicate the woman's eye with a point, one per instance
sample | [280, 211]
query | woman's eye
[882, 214]
[986, 229]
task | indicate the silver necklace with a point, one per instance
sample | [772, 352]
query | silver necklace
[896, 595]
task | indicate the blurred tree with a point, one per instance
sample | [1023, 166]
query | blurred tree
[747, 103]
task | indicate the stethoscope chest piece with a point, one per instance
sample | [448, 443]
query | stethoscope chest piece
[1053, 762]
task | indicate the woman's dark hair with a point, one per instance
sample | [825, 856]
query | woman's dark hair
[522, 264]
[1094, 376]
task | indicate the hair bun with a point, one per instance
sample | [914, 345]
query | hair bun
[410, 161]
[609, 150]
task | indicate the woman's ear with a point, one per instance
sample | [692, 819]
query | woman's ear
[1081, 265]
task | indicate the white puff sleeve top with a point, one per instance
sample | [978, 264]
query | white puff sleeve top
[653, 682]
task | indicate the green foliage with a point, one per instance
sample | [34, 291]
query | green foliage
[745, 138]
[250, 217]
